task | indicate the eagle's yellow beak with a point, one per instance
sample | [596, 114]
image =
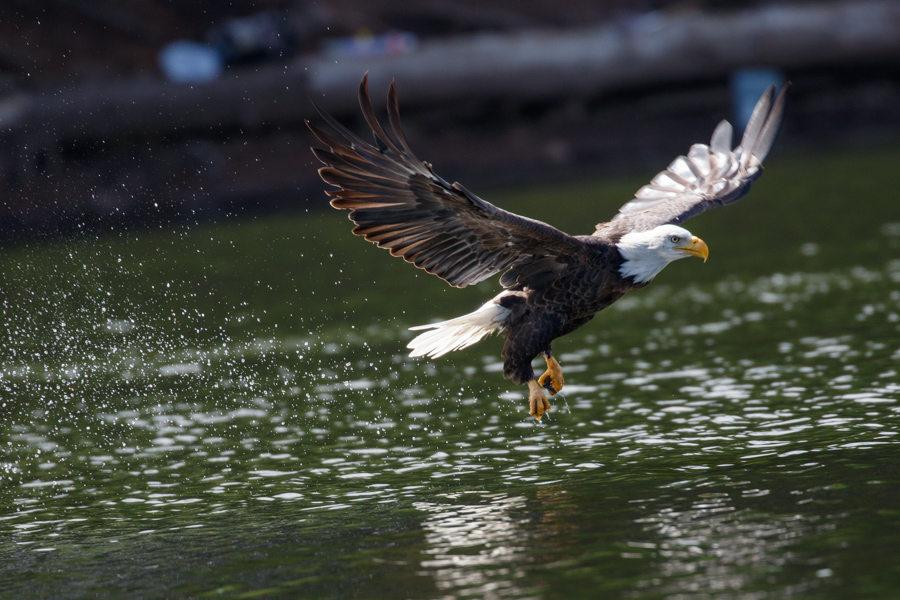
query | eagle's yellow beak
[697, 248]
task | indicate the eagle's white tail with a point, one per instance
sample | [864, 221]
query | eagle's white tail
[458, 333]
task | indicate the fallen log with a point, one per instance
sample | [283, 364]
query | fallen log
[648, 50]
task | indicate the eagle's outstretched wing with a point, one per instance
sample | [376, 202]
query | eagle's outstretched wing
[399, 203]
[709, 176]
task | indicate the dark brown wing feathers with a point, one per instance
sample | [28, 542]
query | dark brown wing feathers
[399, 203]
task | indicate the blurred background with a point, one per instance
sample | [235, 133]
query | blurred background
[128, 113]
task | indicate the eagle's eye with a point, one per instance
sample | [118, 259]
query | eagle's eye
[674, 239]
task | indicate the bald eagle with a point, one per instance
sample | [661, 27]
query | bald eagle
[553, 282]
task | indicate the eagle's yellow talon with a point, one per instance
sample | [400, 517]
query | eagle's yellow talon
[537, 401]
[552, 379]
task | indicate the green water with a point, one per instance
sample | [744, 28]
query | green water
[228, 411]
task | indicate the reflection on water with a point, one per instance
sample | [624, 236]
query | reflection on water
[476, 549]
[713, 547]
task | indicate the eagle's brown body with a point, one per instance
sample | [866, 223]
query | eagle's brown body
[546, 307]
[553, 282]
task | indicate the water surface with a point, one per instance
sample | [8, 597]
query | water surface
[228, 410]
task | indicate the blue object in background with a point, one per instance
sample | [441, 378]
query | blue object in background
[747, 85]
[190, 62]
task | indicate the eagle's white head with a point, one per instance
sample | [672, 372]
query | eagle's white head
[646, 253]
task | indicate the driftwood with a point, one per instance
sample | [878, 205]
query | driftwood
[38, 132]
[651, 50]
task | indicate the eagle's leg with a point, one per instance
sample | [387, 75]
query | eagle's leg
[537, 401]
[526, 340]
[552, 379]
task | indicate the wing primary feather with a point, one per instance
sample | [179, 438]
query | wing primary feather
[351, 137]
[695, 168]
[772, 125]
[393, 108]
[682, 181]
[362, 149]
[721, 138]
[356, 166]
[756, 121]
[343, 178]
[365, 103]
[358, 155]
